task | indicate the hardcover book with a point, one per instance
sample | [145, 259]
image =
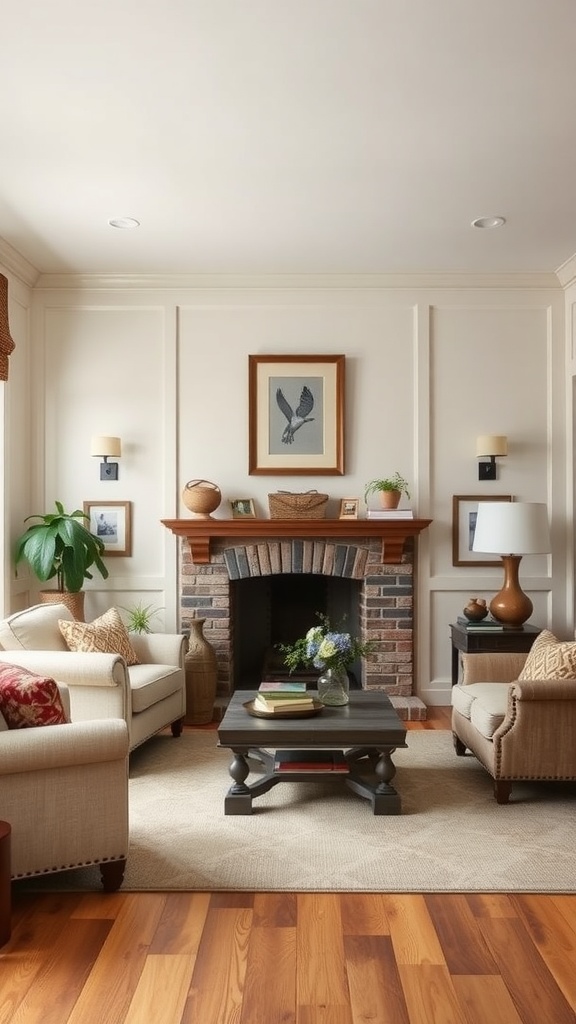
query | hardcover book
[310, 761]
[288, 688]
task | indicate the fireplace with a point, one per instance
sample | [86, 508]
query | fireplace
[375, 558]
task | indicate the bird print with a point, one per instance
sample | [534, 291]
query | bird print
[298, 418]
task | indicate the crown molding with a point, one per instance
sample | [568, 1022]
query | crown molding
[16, 264]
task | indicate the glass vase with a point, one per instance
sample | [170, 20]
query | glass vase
[334, 687]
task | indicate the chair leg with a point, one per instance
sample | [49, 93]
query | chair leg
[502, 790]
[459, 747]
[112, 874]
[176, 727]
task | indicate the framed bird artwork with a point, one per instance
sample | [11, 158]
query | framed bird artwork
[296, 420]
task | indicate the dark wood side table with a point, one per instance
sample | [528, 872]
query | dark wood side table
[5, 891]
[515, 641]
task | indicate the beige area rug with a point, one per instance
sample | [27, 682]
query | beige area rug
[450, 837]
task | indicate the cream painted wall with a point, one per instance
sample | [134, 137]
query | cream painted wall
[428, 367]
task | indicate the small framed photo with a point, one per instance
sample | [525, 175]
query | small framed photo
[111, 522]
[242, 508]
[349, 508]
[464, 513]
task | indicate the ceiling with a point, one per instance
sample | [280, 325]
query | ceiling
[302, 136]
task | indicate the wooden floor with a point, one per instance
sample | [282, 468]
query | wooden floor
[291, 958]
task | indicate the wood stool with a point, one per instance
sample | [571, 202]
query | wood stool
[5, 892]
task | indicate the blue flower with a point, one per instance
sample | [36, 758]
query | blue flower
[323, 648]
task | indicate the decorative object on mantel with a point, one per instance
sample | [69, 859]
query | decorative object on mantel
[201, 676]
[201, 497]
[291, 505]
[331, 652]
[7, 345]
[476, 609]
[390, 490]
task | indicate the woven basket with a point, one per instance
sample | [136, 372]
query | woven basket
[287, 505]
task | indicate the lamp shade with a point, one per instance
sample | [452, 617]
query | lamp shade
[512, 527]
[491, 444]
[101, 446]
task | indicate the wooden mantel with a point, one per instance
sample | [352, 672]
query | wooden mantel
[200, 532]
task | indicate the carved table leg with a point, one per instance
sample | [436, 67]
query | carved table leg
[238, 800]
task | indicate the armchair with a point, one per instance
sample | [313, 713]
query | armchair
[149, 696]
[64, 791]
[519, 729]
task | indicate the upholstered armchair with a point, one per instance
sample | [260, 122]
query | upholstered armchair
[64, 792]
[519, 728]
[149, 694]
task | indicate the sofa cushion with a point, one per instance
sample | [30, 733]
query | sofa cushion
[484, 704]
[152, 683]
[28, 700]
[550, 658]
[34, 629]
[107, 635]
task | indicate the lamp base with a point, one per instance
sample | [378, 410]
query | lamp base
[511, 607]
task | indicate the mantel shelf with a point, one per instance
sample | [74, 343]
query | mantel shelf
[200, 532]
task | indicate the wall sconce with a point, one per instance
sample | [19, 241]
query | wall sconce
[488, 446]
[105, 448]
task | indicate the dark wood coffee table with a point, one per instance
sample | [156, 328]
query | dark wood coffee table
[367, 730]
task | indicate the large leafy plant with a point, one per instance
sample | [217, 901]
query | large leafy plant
[61, 546]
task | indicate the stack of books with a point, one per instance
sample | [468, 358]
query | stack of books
[390, 513]
[310, 761]
[283, 696]
[479, 626]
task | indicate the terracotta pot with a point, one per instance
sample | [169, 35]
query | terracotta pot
[390, 499]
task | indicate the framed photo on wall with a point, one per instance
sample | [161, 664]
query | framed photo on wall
[464, 512]
[242, 508]
[296, 415]
[111, 522]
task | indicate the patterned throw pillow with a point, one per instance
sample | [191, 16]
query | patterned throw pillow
[550, 658]
[107, 635]
[28, 700]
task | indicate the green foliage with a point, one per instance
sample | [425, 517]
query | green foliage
[61, 546]
[392, 483]
[140, 617]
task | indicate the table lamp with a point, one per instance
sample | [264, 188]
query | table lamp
[511, 529]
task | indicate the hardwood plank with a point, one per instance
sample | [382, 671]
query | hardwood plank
[413, 935]
[463, 946]
[161, 990]
[554, 938]
[375, 989]
[430, 995]
[271, 956]
[321, 978]
[181, 924]
[217, 987]
[534, 991]
[485, 1000]
[363, 914]
[491, 904]
[277, 909]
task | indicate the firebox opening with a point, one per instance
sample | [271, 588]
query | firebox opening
[270, 610]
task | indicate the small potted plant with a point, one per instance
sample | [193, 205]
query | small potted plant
[140, 618]
[61, 546]
[390, 489]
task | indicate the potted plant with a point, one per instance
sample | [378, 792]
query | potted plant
[140, 618]
[61, 546]
[390, 489]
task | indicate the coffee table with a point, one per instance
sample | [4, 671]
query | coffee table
[367, 731]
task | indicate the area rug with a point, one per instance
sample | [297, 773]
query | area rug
[314, 836]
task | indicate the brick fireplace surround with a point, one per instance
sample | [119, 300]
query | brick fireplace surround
[378, 554]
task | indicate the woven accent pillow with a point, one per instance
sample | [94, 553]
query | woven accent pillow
[550, 658]
[28, 700]
[106, 635]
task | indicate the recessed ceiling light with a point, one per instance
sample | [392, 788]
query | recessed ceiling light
[124, 222]
[488, 222]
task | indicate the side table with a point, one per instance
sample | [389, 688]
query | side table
[5, 891]
[515, 641]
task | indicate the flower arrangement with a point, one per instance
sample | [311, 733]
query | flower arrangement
[324, 648]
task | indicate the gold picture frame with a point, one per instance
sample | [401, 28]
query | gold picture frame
[464, 510]
[296, 415]
[111, 522]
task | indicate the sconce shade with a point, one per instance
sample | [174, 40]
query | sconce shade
[511, 529]
[491, 444]
[110, 447]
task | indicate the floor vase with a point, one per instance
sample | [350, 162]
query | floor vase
[201, 676]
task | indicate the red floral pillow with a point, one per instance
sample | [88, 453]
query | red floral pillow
[27, 699]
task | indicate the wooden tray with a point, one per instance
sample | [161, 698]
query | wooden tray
[289, 713]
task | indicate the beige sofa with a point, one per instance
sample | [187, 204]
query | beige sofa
[148, 696]
[64, 791]
[519, 730]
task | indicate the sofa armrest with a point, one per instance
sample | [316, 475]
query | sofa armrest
[536, 738]
[160, 648]
[70, 667]
[60, 746]
[494, 667]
